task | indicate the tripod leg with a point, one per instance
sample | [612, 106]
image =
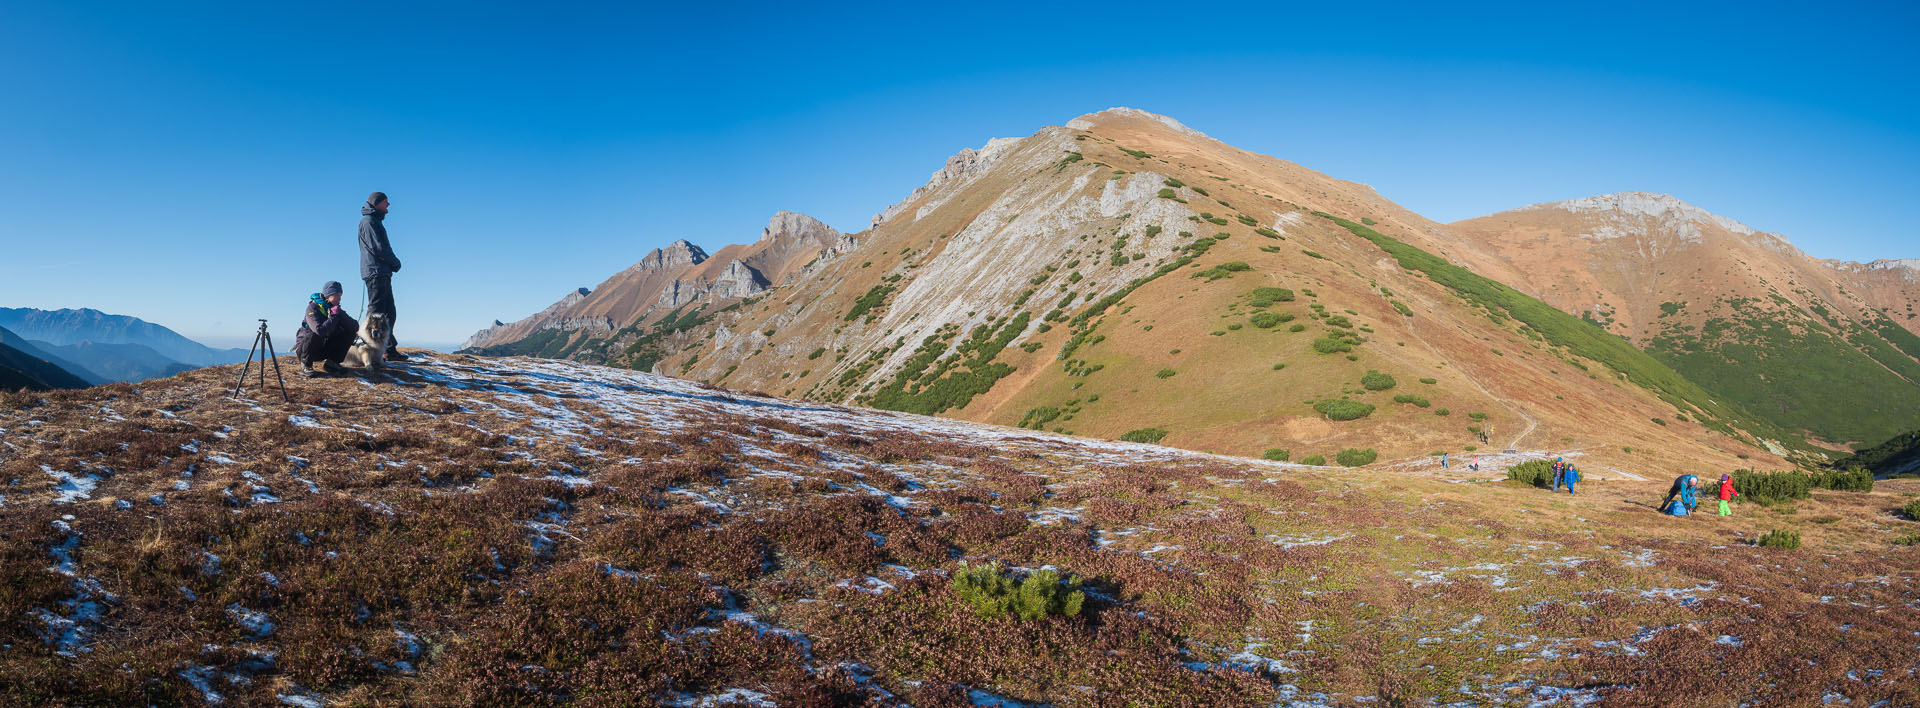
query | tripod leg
[275, 357]
[243, 369]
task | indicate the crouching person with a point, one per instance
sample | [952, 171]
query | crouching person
[325, 334]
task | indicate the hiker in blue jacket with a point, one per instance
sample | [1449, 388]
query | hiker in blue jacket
[1685, 487]
[1570, 475]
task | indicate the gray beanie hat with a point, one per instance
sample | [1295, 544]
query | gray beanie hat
[331, 289]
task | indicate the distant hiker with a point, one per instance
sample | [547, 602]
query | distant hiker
[378, 264]
[1475, 465]
[1570, 475]
[325, 333]
[1684, 487]
[1556, 476]
[1443, 460]
[1727, 493]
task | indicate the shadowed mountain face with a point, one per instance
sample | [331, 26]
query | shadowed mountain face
[1822, 346]
[1125, 276]
[70, 326]
[32, 370]
[41, 350]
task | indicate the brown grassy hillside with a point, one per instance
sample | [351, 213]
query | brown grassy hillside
[1008, 251]
[1813, 345]
[474, 531]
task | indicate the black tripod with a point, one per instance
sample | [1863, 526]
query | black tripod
[262, 343]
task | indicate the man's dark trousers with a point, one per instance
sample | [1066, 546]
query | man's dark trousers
[380, 302]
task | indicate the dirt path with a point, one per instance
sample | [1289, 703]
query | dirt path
[1413, 331]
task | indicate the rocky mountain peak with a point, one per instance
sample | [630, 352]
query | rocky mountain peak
[1648, 204]
[679, 254]
[795, 226]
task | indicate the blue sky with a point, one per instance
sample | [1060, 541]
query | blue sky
[200, 165]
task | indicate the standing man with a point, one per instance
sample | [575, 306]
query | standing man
[378, 264]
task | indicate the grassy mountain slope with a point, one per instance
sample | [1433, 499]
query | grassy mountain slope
[1805, 343]
[477, 531]
[1122, 277]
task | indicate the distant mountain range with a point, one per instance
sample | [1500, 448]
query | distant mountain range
[93, 347]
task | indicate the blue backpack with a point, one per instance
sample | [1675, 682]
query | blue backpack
[1676, 508]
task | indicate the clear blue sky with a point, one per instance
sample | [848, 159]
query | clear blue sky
[199, 166]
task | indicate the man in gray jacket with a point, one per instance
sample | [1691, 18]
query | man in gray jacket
[378, 264]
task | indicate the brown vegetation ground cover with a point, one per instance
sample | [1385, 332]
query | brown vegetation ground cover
[519, 532]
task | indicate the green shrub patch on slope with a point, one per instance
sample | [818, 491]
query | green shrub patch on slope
[1840, 384]
[929, 384]
[875, 297]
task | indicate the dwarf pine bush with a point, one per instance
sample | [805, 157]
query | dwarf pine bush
[1351, 457]
[1315, 460]
[1538, 473]
[1275, 454]
[1144, 435]
[1858, 479]
[1420, 401]
[1780, 538]
[1343, 409]
[1769, 487]
[1331, 344]
[1376, 381]
[1912, 510]
[993, 594]
[1266, 320]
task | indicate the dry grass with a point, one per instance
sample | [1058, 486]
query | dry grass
[466, 546]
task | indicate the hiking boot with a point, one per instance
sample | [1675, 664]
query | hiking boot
[395, 355]
[307, 372]
[332, 368]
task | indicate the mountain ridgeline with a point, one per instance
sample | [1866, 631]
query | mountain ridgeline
[1124, 276]
[96, 347]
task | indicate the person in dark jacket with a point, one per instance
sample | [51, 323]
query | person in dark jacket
[326, 333]
[378, 264]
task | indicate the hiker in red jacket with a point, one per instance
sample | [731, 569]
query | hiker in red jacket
[1727, 493]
